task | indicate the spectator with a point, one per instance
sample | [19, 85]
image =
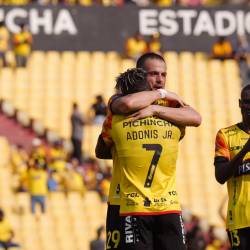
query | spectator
[194, 235]
[57, 157]
[52, 182]
[222, 49]
[73, 179]
[154, 44]
[98, 243]
[19, 161]
[77, 123]
[104, 188]
[6, 233]
[100, 110]
[163, 3]
[38, 150]
[4, 42]
[135, 46]
[91, 174]
[241, 51]
[37, 184]
[22, 42]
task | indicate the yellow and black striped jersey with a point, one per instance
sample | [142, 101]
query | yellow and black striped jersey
[147, 151]
[114, 192]
[229, 142]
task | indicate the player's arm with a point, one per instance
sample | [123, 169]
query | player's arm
[225, 168]
[136, 101]
[105, 142]
[102, 150]
[182, 116]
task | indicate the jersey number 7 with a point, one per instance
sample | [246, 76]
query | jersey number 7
[157, 148]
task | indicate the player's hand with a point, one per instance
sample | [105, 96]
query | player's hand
[171, 96]
[143, 113]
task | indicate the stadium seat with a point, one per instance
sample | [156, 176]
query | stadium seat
[5, 152]
[219, 108]
[126, 64]
[173, 75]
[37, 89]
[7, 84]
[112, 69]
[232, 90]
[21, 89]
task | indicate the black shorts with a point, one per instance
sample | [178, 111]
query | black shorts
[156, 232]
[113, 226]
[239, 238]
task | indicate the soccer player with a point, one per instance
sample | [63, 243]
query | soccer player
[185, 115]
[103, 150]
[232, 159]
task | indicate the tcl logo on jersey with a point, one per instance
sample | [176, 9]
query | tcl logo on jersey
[132, 195]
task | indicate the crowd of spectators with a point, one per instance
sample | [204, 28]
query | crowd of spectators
[49, 168]
[201, 235]
[20, 43]
[137, 45]
[222, 49]
[238, 50]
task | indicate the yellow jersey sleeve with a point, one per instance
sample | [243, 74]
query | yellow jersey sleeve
[221, 147]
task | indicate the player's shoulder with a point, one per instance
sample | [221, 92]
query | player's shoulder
[230, 129]
[111, 101]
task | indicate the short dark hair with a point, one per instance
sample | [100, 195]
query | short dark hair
[132, 81]
[142, 59]
[245, 88]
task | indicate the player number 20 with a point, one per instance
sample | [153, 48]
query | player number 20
[157, 148]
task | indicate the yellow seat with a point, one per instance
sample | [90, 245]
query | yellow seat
[7, 84]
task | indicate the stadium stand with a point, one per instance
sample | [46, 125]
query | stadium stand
[50, 231]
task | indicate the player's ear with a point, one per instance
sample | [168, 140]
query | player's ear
[240, 103]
